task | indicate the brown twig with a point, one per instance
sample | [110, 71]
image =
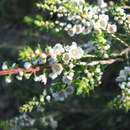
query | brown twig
[126, 7]
[103, 62]
[125, 51]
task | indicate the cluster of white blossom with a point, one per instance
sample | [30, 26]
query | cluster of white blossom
[81, 18]
[124, 80]
[68, 54]
[92, 46]
[91, 20]
[63, 71]
[60, 95]
[23, 121]
[5, 67]
[121, 17]
[63, 94]
[45, 96]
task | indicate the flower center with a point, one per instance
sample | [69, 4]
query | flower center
[74, 52]
[57, 68]
[102, 23]
[66, 57]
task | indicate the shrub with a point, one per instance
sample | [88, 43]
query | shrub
[68, 70]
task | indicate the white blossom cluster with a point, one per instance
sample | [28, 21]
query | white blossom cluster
[24, 120]
[81, 18]
[60, 95]
[68, 54]
[124, 80]
[92, 46]
[63, 94]
[5, 67]
[63, 71]
[121, 17]
[85, 25]
[94, 18]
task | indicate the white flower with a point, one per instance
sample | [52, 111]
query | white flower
[106, 47]
[27, 75]
[37, 51]
[71, 66]
[128, 84]
[36, 78]
[43, 55]
[78, 28]
[100, 2]
[103, 23]
[119, 9]
[129, 26]
[48, 98]
[62, 95]
[57, 68]
[122, 85]
[21, 73]
[58, 49]
[53, 75]
[66, 58]
[13, 65]
[8, 79]
[53, 60]
[42, 59]
[96, 25]
[68, 26]
[43, 78]
[68, 77]
[67, 47]
[126, 70]
[121, 78]
[104, 17]
[128, 18]
[111, 28]
[75, 52]
[44, 93]
[51, 52]
[55, 95]
[98, 70]
[89, 15]
[27, 65]
[4, 66]
[71, 32]
[19, 77]
[42, 99]
[77, 2]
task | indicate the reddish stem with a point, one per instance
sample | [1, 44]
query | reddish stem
[9, 72]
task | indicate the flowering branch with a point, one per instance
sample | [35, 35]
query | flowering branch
[15, 71]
